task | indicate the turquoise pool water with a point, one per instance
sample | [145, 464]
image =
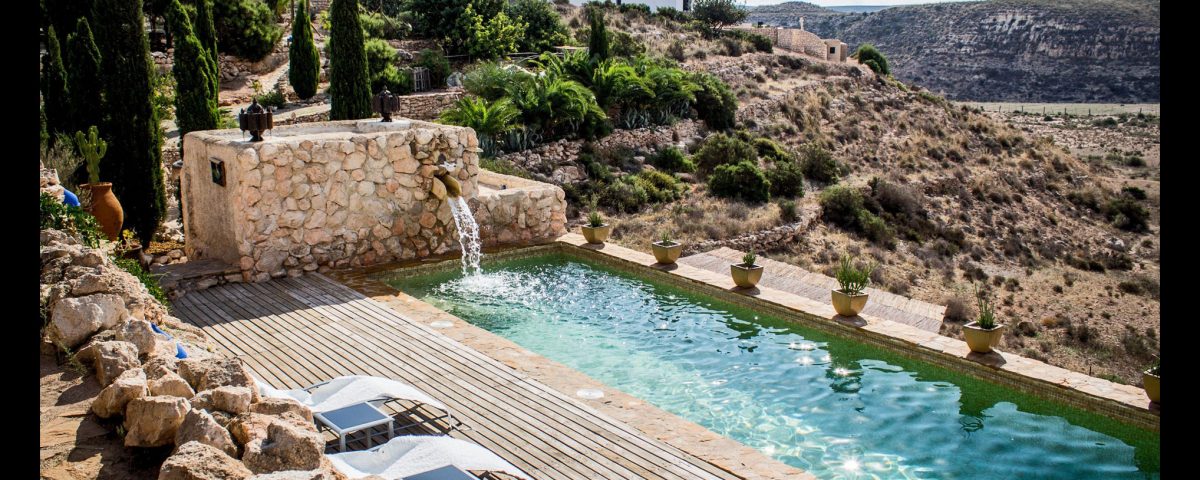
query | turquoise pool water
[828, 405]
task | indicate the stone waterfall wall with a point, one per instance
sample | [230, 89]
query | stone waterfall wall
[315, 196]
[524, 211]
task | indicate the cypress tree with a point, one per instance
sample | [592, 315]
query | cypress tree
[598, 38]
[54, 88]
[84, 77]
[134, 160]
[195, 99]
[206, 31]
[304, 62]
[349, 86]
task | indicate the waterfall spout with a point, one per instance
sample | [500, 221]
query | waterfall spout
[468, 234]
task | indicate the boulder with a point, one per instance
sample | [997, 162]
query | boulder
[73, 320]
[286, 447]
[170, 384]
[279, 406]
[250, 427]
[197, 461]
[140, 334]
[231, 399]
[153, 421]
[318, 474]
[112, 400]
[208, 374]
[201, 427]
[111, 359]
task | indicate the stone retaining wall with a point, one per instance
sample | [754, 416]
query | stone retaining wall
[515, 210]
[428, 106]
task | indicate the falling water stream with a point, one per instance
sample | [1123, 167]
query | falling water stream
[468, 235]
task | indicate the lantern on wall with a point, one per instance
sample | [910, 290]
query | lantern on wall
[256, 120]
[384, 103]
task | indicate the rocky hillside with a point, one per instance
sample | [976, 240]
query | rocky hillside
[1012, 50]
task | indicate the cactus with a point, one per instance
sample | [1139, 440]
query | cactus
[93, 148]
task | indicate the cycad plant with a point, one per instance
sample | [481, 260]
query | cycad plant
[488, 119]
[92, 148]
[852, 280]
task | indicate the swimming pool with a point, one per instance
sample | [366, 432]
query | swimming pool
[826, 404]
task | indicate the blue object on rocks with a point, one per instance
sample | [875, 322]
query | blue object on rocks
[154, 326]
[179, 351]
[70, 199]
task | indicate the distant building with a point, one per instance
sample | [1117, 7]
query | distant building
[683, 5]
[800, 40]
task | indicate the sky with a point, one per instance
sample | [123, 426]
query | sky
[831, 3]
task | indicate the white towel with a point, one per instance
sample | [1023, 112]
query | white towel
[349, 390]
[413, 454]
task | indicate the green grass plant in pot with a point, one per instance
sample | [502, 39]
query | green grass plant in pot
[666, 250]
[746, 274]
[596, 231]
[851, 297]
[983, 334]
[1150, 381]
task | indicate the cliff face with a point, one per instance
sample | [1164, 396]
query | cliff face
[1104, 51]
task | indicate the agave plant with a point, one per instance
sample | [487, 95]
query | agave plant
[488, 119]
[853, 281]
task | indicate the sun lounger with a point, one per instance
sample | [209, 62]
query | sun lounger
[410, 455]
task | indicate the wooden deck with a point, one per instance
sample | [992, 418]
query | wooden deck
[815, 286]
[297, 331]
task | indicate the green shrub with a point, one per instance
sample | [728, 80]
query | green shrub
[304, 61]
[84, 59]
[497, 37]
[818, 164]
[770, 149]
[597, 34]
[487, 80]
[636, 8]
[787, 211]
[673, 14]
[660, 187]
[54, 89]
[741, 180]
[720, 149]
[840, 206]
[870, 56]
[717, 13]
[73, 220]
[378, 25]
[488, 119]
[195, 99]
[544, 29]
[135, 268]
[1126, 213]
[501, 166]
[786, 179]
[715, 103]
[672, 159]
[436, 63]
[246, 28]
[626, 195]
[349, 78]
[875, 228]
[1134, 193]
[624, 45]
[382, 71]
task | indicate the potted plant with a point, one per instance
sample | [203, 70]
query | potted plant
[1150, 381]
[851, 297]
[984, 334]
[128, 246]
[666, 251]
[596, 231]
[746, 274]
[104, 205]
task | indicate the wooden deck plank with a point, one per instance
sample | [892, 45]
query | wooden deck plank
[298, 331]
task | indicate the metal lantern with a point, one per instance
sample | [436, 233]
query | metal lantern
[255, 119]
[384, 103]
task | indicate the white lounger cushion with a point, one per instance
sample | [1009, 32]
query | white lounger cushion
[349, 390]
[413, 454]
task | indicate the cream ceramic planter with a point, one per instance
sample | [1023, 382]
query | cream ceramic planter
[746, 277]
[596, 234]
[1150, 383]
[980, 340]
[849, 305]
[666, 253]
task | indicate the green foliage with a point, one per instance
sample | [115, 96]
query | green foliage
[73, 220]
[595, 220]
[489, 80]
[381, 65]
[672, 159]
[1154, 368]
[556, 106]
[206, 31]
[436, 63]
[488, 119]
[195, 99]
[818, 164]
[740, 180]
[622, 44]
[544, 29]
[673, 14]
[772, 150]
[720, 149]
[625, 195]
[349, 80]
[787, 211]
[1126, 213]
[852, 280]
[786, 179]
[93, 148]
[840, 206]
[54, 88]
[875, 228]
[715, 103]
[749, 258]
[84, 89]
[718, 13]
[437, 19]
[598, 36]
[870, 56]
[271, 99]
[132, 126]
[501, 166]
[495, 38]
[759, 42]
[987, 313]
[247, 28]
[378, 25]
[304, 61]
[660, 187]
[135, 268]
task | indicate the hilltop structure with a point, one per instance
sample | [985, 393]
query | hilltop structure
[801, 41]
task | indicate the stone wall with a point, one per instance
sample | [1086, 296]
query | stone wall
[515, 210]
[796, 40]
[428, 105]
[323, 195]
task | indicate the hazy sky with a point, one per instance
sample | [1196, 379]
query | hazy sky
[827, 3]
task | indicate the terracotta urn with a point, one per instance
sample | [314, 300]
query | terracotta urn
[849, 305]
[981, 340]
[596, 234]
[106, 209]
[666, 253]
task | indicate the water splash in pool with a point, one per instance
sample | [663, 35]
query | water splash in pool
[468, 235]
